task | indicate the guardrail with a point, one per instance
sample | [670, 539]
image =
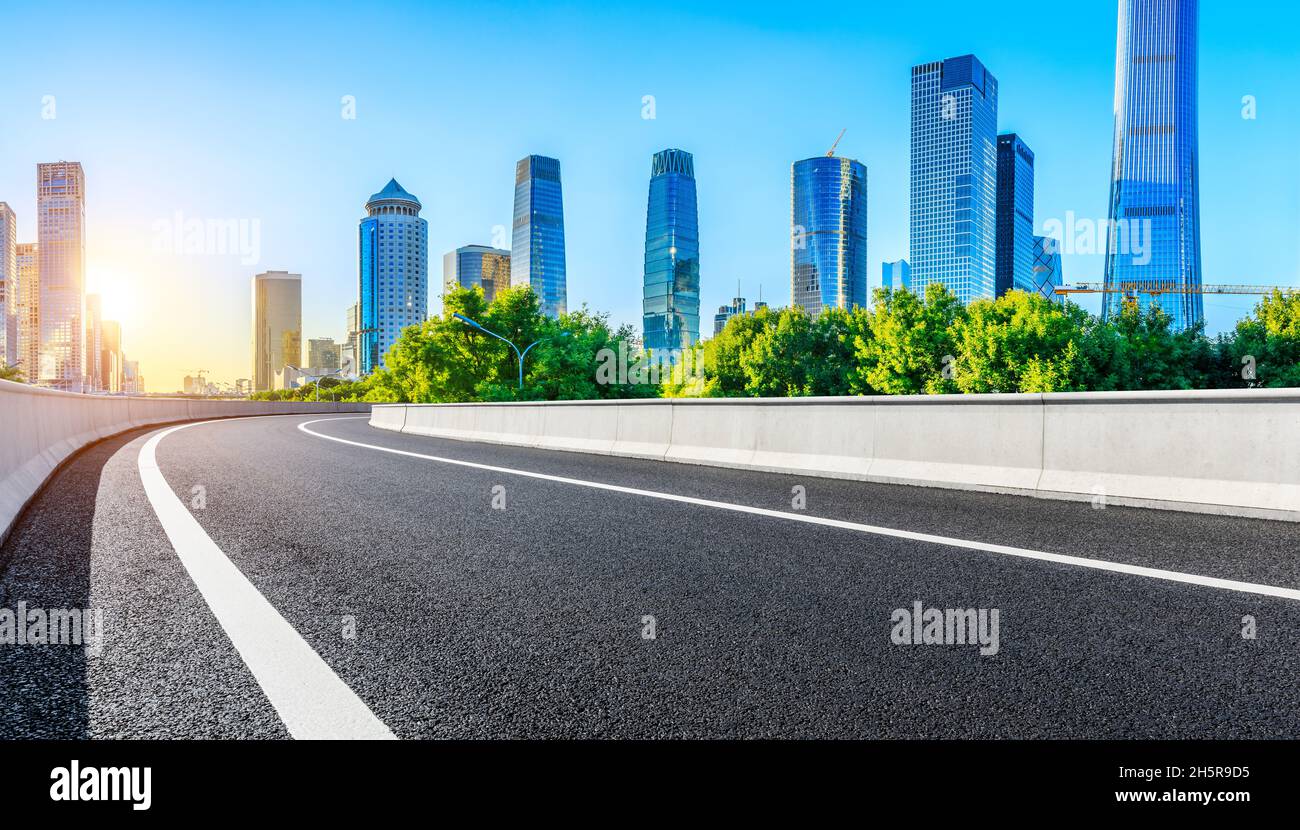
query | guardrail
[41, 428]
[1234, 452]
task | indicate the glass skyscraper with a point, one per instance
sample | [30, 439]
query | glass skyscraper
[394, 272]
[1015, 222]
[1154, 192]
[476, 266]
[8, 286]
[277, 326]
[671, 295]
[1047, 268]
[828, 234]
[537, 244]
[896, 275]
[61, 250]
[954, 173]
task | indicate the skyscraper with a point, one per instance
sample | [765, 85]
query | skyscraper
[954, 173]
[277, 326]
[828, 238]
[896, 275]
[94, 342]
[29, 304]
[1047, 268]
[537, 245]
[322, 354]
[349, 351]
[8, 286]
[393, 286]
[61, 250]
[110, 360]
[1155, 212]
[671, 288]
[476, 266]
[1015, 222]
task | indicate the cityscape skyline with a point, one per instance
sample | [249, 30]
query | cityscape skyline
[746, 229]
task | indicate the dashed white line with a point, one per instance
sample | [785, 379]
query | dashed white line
[309, 697]
[1005, 550]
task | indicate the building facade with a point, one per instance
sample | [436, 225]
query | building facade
[28, 311]
[61, 251]
[954, 171]
[277, 326]
[1155, 218]
[828, 234]
[896, 276]
[322, 355]
[8, 286]
[476, 266]
[393, 290]
[537, 242]
[726, 312]
[94, 342]
[1015, 219]
[671, 283]
[110, 356]
[1047, 268]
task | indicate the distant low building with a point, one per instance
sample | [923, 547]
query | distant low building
[726, 312]
[476, 266]
[323, 354]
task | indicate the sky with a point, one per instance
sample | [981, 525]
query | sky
[232, 116]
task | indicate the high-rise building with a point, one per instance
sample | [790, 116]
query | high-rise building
[61, 250]
[1155, 215]
[132, 380]
[1015, 211]
[896, 276]
[476, 266]
[537, 244]
[393, 287]
[671, 288]
[954, 173]
[1047, 268]
[322, 354]
[29, 304]
[8, 286]
[828, 239]
[110, 360]
[94, 342]
[726, 312]
[277, 325]
[349, 351]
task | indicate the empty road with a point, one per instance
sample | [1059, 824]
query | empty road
[316, 577]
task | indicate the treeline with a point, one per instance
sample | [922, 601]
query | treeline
[902, 344]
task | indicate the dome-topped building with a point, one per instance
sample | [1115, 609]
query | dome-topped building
[393, 280]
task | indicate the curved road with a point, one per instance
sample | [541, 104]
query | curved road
[299, 576]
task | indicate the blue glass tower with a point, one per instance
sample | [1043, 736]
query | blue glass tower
[394, 281]
[1155, 216]
[1015, 223]
[1047, 268]
[537, 245]
[954, 173]
[828, 239]
[671, 295]
[477, 266]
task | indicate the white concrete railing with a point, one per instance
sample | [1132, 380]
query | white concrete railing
[1222, 451]
[41, 428]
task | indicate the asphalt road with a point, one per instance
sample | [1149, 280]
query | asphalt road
[448, 617]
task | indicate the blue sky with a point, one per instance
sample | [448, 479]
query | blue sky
[234, 113]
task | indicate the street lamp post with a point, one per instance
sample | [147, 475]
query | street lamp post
[475, 324]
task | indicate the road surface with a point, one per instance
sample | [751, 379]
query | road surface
[312, 577]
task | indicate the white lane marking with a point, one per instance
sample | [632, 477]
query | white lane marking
[309, 697]
[1006, 550]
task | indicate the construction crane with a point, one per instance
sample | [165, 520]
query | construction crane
[831, 152]
[1157, 288]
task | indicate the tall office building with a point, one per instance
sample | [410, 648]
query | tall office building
[61, 250]
[110, 356]
[8, 286]
[349, 351]
[1154, 188]
[828, 239]
[393, 286]
[477, 266]
[896, 276]
[28, 308]
[277, 326]
[322, 354]
[94, 342]
[537, 244]
[1014, 262]
[671, 287]
[1047, 268]
[132, 380]
[954, 174]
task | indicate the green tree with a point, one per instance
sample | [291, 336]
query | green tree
[1020, 342]
[1265, 348]
[910, 347]
[12, 373]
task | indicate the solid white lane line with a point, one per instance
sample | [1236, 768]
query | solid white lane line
[309, 697]
[1005, 550]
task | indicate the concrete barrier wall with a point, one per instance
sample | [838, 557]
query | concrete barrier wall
[1224, 451]
[41, 428]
